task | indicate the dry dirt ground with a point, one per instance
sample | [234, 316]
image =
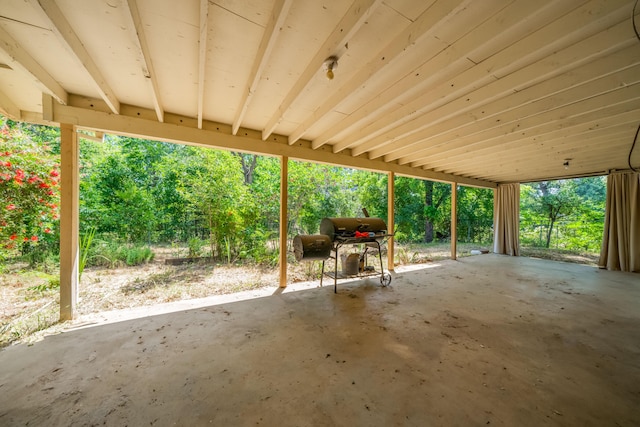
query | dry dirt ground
[487, 340]
[29, 307]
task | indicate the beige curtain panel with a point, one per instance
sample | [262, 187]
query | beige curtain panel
[506, 220]
[621, 241]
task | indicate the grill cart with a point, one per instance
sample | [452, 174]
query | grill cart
[366, 234]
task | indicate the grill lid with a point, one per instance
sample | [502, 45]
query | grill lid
[347, 227]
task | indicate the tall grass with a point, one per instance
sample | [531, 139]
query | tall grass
[85, 246]
[114, 254]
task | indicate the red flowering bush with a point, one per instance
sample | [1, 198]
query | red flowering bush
[29, 193]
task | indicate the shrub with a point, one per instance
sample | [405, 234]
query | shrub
[29, 195]
[112, 254]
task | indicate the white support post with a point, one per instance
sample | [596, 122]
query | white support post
[284, 192]
[69, 221]
[454, 220]
[391, 195]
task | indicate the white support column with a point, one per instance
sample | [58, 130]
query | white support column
[69, 221]
[284, 196]
[454, 220]
[391, 196]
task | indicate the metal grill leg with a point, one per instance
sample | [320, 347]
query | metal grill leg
[335, 274]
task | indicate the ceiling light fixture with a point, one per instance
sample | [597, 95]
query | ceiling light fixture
[330, 64]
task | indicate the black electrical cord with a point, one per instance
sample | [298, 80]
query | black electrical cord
[633, 20]
[635, 139]
[635, 30]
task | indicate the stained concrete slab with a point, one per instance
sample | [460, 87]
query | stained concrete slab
[486, 340]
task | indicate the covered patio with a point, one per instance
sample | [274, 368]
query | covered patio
[485, 340]
[480, 93]
[486, 94]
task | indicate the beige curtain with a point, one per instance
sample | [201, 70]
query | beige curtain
[621, 241]
[506, 219]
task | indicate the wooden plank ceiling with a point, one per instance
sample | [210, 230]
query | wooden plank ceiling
[480, 92]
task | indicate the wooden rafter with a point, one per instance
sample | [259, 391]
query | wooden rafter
[271, 32]
[490, 90]
[476, 87]
[553, 134]
[401, 44]
[502, 29]
[547, 92]
[132, 15]
[22, 60]
[202, 57]
[348, 25]
[556, 121]
[594, 117]
[65, 34]
[615, 136]
[540, 71]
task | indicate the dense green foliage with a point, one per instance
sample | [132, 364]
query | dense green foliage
[423, 209]
[137, 192]
[159, 192]
[566, 214]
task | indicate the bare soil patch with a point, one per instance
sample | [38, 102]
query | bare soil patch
[29, 300]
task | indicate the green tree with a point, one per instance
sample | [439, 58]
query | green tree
[147, 163]
[212, 183]
[371, 188]
[437, 212]
[317, 191]
[475, 214]
[409, 209]
[550, 201]
[113, 200]
[249, 162]
[585, 229]
[265, 188]
[421, 211]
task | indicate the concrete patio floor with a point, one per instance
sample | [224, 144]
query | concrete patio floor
[486, 340]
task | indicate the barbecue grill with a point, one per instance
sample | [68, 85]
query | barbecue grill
[335, 233]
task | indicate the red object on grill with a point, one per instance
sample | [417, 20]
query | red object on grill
[336, 233]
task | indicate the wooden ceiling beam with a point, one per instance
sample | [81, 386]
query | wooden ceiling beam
[552, 51]
[202, 57]
[560, 142]
[132, 15]
[346, 28]
[565, 146]
[576, 169]
[405, 43]
[138, 122]
[271, 33]
[606, 73]
[68, 38]
[588, 113]
[21, 61]
[530, 119]
[607, 116]
[583, 167]
[499, 31]
[617, 143]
